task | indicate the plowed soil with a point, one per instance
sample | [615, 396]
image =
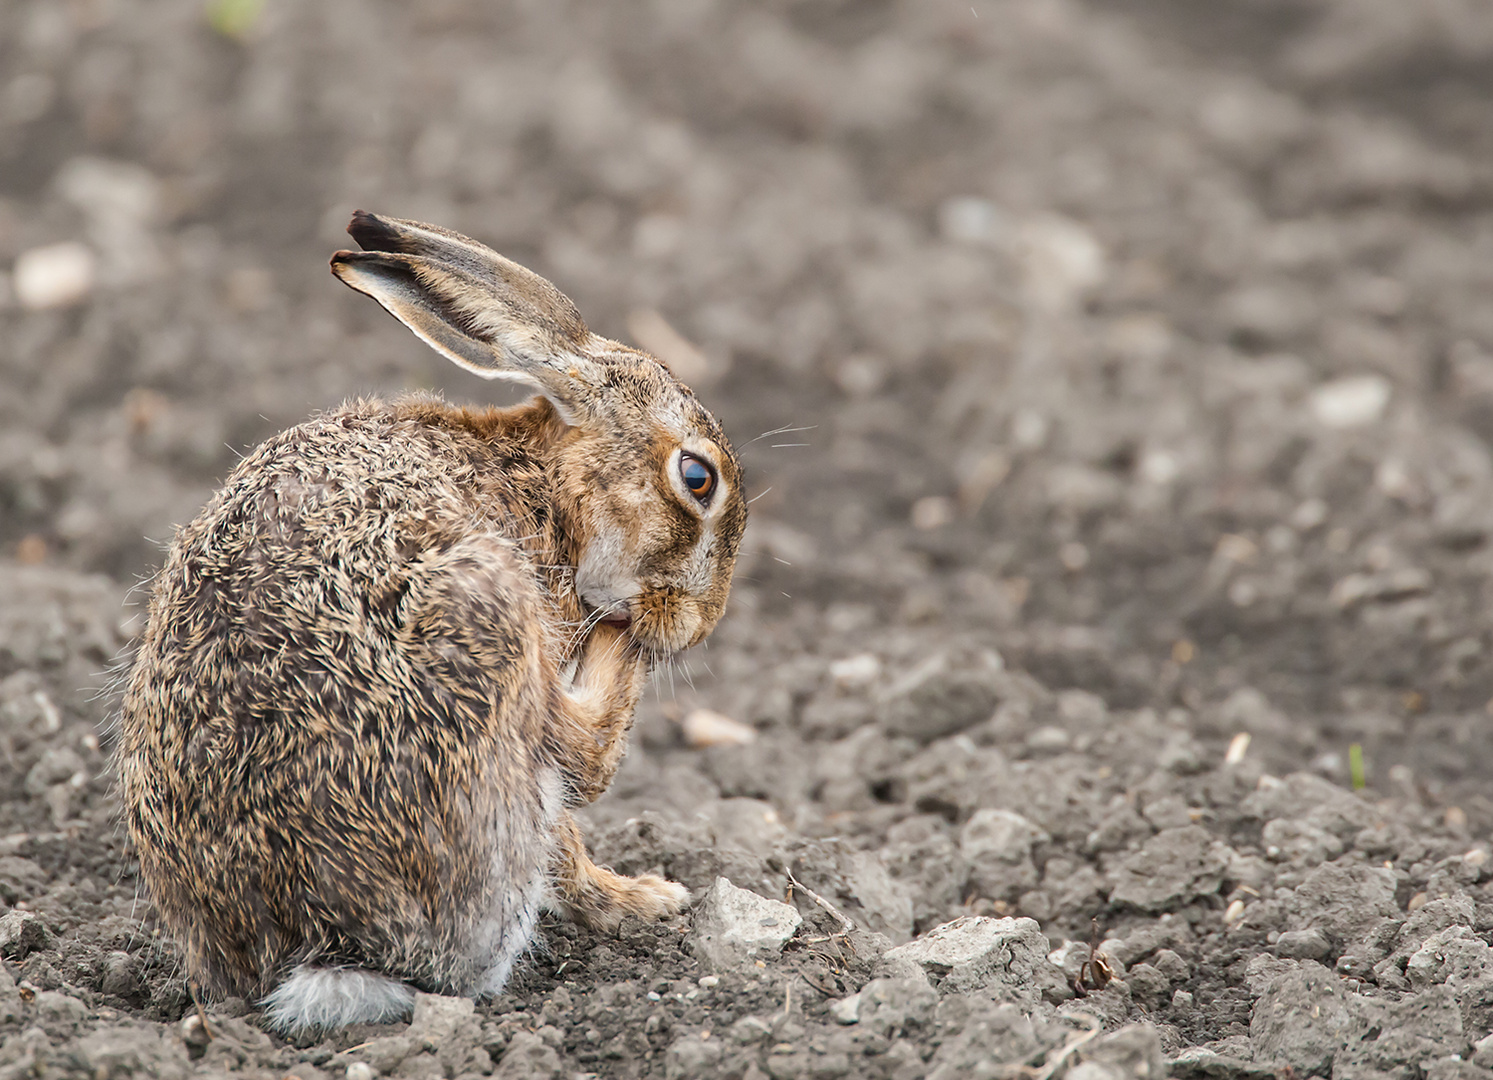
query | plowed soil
[1115, 383]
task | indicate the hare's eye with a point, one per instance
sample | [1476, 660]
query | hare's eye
[697, 476]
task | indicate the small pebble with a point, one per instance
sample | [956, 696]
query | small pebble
[1048, 740]
[1351, 402]
[855, 672]
[933, 512]
[360, 1070]
[193, 1032]
[1074, 556]
[54, 276]
[703, 728]
[1238, 747]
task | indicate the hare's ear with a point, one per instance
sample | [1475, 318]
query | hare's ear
[480, 310]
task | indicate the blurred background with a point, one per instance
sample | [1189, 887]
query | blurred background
[1145, 346]
[1115, 384]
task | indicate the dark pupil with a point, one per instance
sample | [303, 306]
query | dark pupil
[696, 476]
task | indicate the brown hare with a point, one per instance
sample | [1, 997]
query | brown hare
[405, 638]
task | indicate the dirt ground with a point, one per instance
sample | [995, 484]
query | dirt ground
[1121, 560]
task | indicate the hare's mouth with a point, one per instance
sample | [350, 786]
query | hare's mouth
[608, 607]
[617, 614]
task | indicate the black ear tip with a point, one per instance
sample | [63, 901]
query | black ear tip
[371, 232]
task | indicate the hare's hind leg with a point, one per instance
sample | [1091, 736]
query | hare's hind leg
[597, 897]
[320, 998]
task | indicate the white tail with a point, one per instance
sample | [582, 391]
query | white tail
[314, 997]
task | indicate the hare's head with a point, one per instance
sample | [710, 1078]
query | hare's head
[645, 482]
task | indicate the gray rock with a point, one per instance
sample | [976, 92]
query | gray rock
[692, 1057]
[22, 933]
[1263, 969]
[982, 1035]
[1167, 813]
[749, 824]
[133, 1051]
[998, 844]
[1299, 844]
[528, 1057]
[10, 997]
[20, 879]
[235, 1041]
[1171, 868]
[121, 976]
[437, 1017]
[1310, 944]
[1146, 938]
[1431, 917]
[1312, 800]
[1346, 901]
[383, 1055]
[749, 1029]
[59, 1011]
[448, 1027]
[57, 765]
[1403, 1037]
[1171, 965]
[846, 1010]
[921, 850]
[1453, 952]
[1147, 985]
[1201, 1063]
[1462, 961]
[735, 926]
[1133, 1051]
[977, 952]
[947, 692]
[886, 905]
[1454, 1068]
[1302, 1020]
[1095, 1070]
[888, 1006]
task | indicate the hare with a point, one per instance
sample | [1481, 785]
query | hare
[405, 638]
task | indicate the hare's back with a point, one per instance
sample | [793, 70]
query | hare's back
[341, 661]
[311, 559]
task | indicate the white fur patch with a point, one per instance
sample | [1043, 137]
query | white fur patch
[315, 997]
[508, 931]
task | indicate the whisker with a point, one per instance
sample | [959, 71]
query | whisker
[782, 431]
[759, 494]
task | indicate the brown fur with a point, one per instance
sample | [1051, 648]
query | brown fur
[349, 693]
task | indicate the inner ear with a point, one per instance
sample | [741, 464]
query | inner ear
[392, 281]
